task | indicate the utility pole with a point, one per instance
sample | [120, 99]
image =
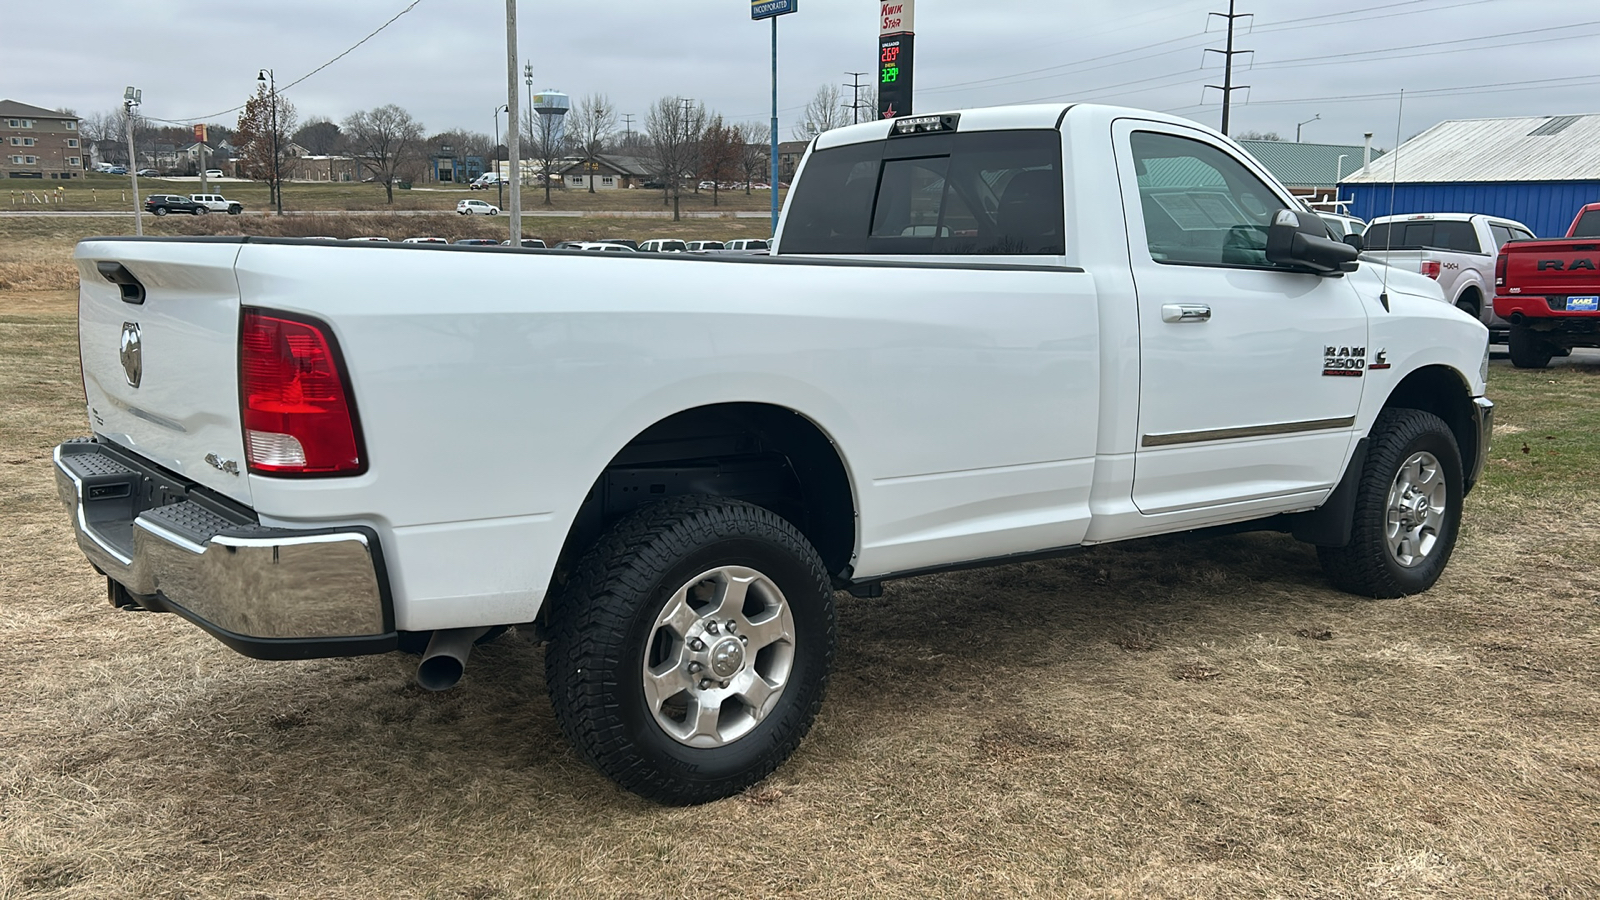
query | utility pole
[1228, 87]
[130, 101]
[855, 96]
[627, 125]
[513, 117]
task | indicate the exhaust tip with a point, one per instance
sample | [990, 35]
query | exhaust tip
[440, 673]
[1517, 317]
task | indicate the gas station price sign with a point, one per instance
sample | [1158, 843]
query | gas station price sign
[896, 37]
[894, 75]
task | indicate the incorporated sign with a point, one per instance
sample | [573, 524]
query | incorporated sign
[766, 9]
[896, 17]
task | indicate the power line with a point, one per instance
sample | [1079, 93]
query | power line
[347, 52]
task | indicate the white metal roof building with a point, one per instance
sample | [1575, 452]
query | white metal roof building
[1537, 170]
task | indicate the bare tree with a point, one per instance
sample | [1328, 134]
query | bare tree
[384, 139]
[675, 125]
[547, 143]
[719, 154]
[254, 138]
[593, 123]
[755, 152]
[825, 112]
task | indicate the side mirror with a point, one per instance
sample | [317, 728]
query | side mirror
[1300, 239]
[1355, 241]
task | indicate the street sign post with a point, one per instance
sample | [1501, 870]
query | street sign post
[896, 40]
[772, 9]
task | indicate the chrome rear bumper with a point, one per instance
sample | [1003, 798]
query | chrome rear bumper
[271, 593]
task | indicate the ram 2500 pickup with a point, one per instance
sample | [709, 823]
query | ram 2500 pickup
[1550, 292]
[982, 337]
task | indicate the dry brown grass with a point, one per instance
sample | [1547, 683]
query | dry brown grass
[1176, 718]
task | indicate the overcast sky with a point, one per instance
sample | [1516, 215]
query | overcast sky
[444, 60]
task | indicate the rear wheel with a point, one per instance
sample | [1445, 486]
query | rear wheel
[1528, 350]
[1407, 510]
[200, 210]
[690, 651]
[1471, 304]
[160, 210]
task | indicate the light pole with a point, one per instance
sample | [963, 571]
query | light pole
[130, 100]
[267, 78]
[527, 79]
[1306, 122]
[500, 185]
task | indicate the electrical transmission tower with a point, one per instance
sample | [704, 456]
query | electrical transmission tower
[855, 96]
[1227, 87]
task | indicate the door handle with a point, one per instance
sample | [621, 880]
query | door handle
[1185, 312]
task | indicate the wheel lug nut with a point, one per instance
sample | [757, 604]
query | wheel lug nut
[711, 628]
[732, 626]
[723, 684]
[744, 639]
[697, 645]
[695, 668]
[705, 684]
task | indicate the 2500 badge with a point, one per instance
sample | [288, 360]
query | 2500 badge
[1346, 361]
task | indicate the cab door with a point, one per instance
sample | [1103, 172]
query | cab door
[1250, 374]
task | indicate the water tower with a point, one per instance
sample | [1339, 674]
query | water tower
[554, 105]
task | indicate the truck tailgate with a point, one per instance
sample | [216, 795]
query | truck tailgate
[158, 330]
[1552, 267]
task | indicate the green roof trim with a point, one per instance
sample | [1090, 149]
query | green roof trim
[1307, 165]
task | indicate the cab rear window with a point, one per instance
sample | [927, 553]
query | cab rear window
[1432, 235]
[993, 193]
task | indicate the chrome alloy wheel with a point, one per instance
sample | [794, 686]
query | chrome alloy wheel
[1416, 509]
[718, 657]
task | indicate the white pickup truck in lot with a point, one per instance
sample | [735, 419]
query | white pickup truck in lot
[1457, 250]
[981, 337]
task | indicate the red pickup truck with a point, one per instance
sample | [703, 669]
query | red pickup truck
[1549, 291]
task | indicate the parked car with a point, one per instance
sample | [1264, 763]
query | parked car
[214, 173]
[700, 455]
[654, 185]
[486, 181]
[1549, 292]
[663, 245]
[529, 243]
[699, 246]
[593, 245]
[218, 203]
[369, 238]
[148, 173]
[117, 170]
[477, 208]
[1455, 249]
[631, 245]
[479, 242]
[424, 240]
[161, 204]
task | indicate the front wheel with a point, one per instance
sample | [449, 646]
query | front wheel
[201, 210]
[690, 651]
[235, 210]
[1407, 510]
[1528, 350]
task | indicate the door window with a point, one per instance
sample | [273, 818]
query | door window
[1201, 206]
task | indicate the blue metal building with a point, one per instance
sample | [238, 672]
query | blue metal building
[1537, 170]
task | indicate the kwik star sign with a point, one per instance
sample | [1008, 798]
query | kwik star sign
[895, 39]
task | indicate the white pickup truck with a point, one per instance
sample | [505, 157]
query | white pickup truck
[667, 464]
[1455, 249]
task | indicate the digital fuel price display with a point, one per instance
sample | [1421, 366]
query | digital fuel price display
[894, 75]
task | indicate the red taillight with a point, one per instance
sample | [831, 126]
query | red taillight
[298, 419]
[1430, 268]
[1500, 270]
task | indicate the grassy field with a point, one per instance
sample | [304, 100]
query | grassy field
[110, 192]
[1173, 718]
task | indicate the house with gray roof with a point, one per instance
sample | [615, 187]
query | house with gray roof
[1538, 170]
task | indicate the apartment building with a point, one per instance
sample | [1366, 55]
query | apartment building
[39, 143]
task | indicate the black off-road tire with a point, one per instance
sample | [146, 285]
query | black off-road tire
[1528, 350]
[160, 210]
[605, 620]
[1368, 566]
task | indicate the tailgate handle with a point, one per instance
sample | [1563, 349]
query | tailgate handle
[118, 274]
